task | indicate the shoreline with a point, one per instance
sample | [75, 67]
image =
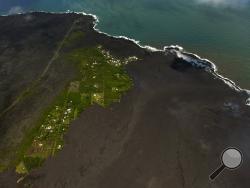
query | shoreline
[177, 116]
[194, 59]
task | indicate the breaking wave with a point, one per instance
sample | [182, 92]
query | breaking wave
[188, 57]
[176, 50]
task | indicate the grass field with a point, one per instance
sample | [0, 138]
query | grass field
[101, 80]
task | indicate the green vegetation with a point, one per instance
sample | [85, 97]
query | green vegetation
[101, 80]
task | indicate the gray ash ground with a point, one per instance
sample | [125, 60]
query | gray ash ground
[168, 131]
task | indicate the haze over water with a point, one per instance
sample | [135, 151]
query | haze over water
[218, 30]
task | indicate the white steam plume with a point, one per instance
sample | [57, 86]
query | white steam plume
[225, 3]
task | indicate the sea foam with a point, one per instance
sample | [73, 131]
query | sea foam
[177, 50]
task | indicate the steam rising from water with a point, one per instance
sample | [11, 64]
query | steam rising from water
[225, 3]
[15, 10]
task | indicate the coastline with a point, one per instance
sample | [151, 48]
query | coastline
[182, 113]
[179, 51]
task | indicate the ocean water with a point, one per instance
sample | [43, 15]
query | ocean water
[218, 30]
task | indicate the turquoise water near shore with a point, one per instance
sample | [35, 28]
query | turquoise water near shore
[216, 31]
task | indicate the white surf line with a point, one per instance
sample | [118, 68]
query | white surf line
[208, 65]
[177, 50]
[199, 62]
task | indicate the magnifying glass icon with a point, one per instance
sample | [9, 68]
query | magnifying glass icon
[231, 159]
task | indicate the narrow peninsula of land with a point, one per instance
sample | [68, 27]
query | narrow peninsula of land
[79, 108]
